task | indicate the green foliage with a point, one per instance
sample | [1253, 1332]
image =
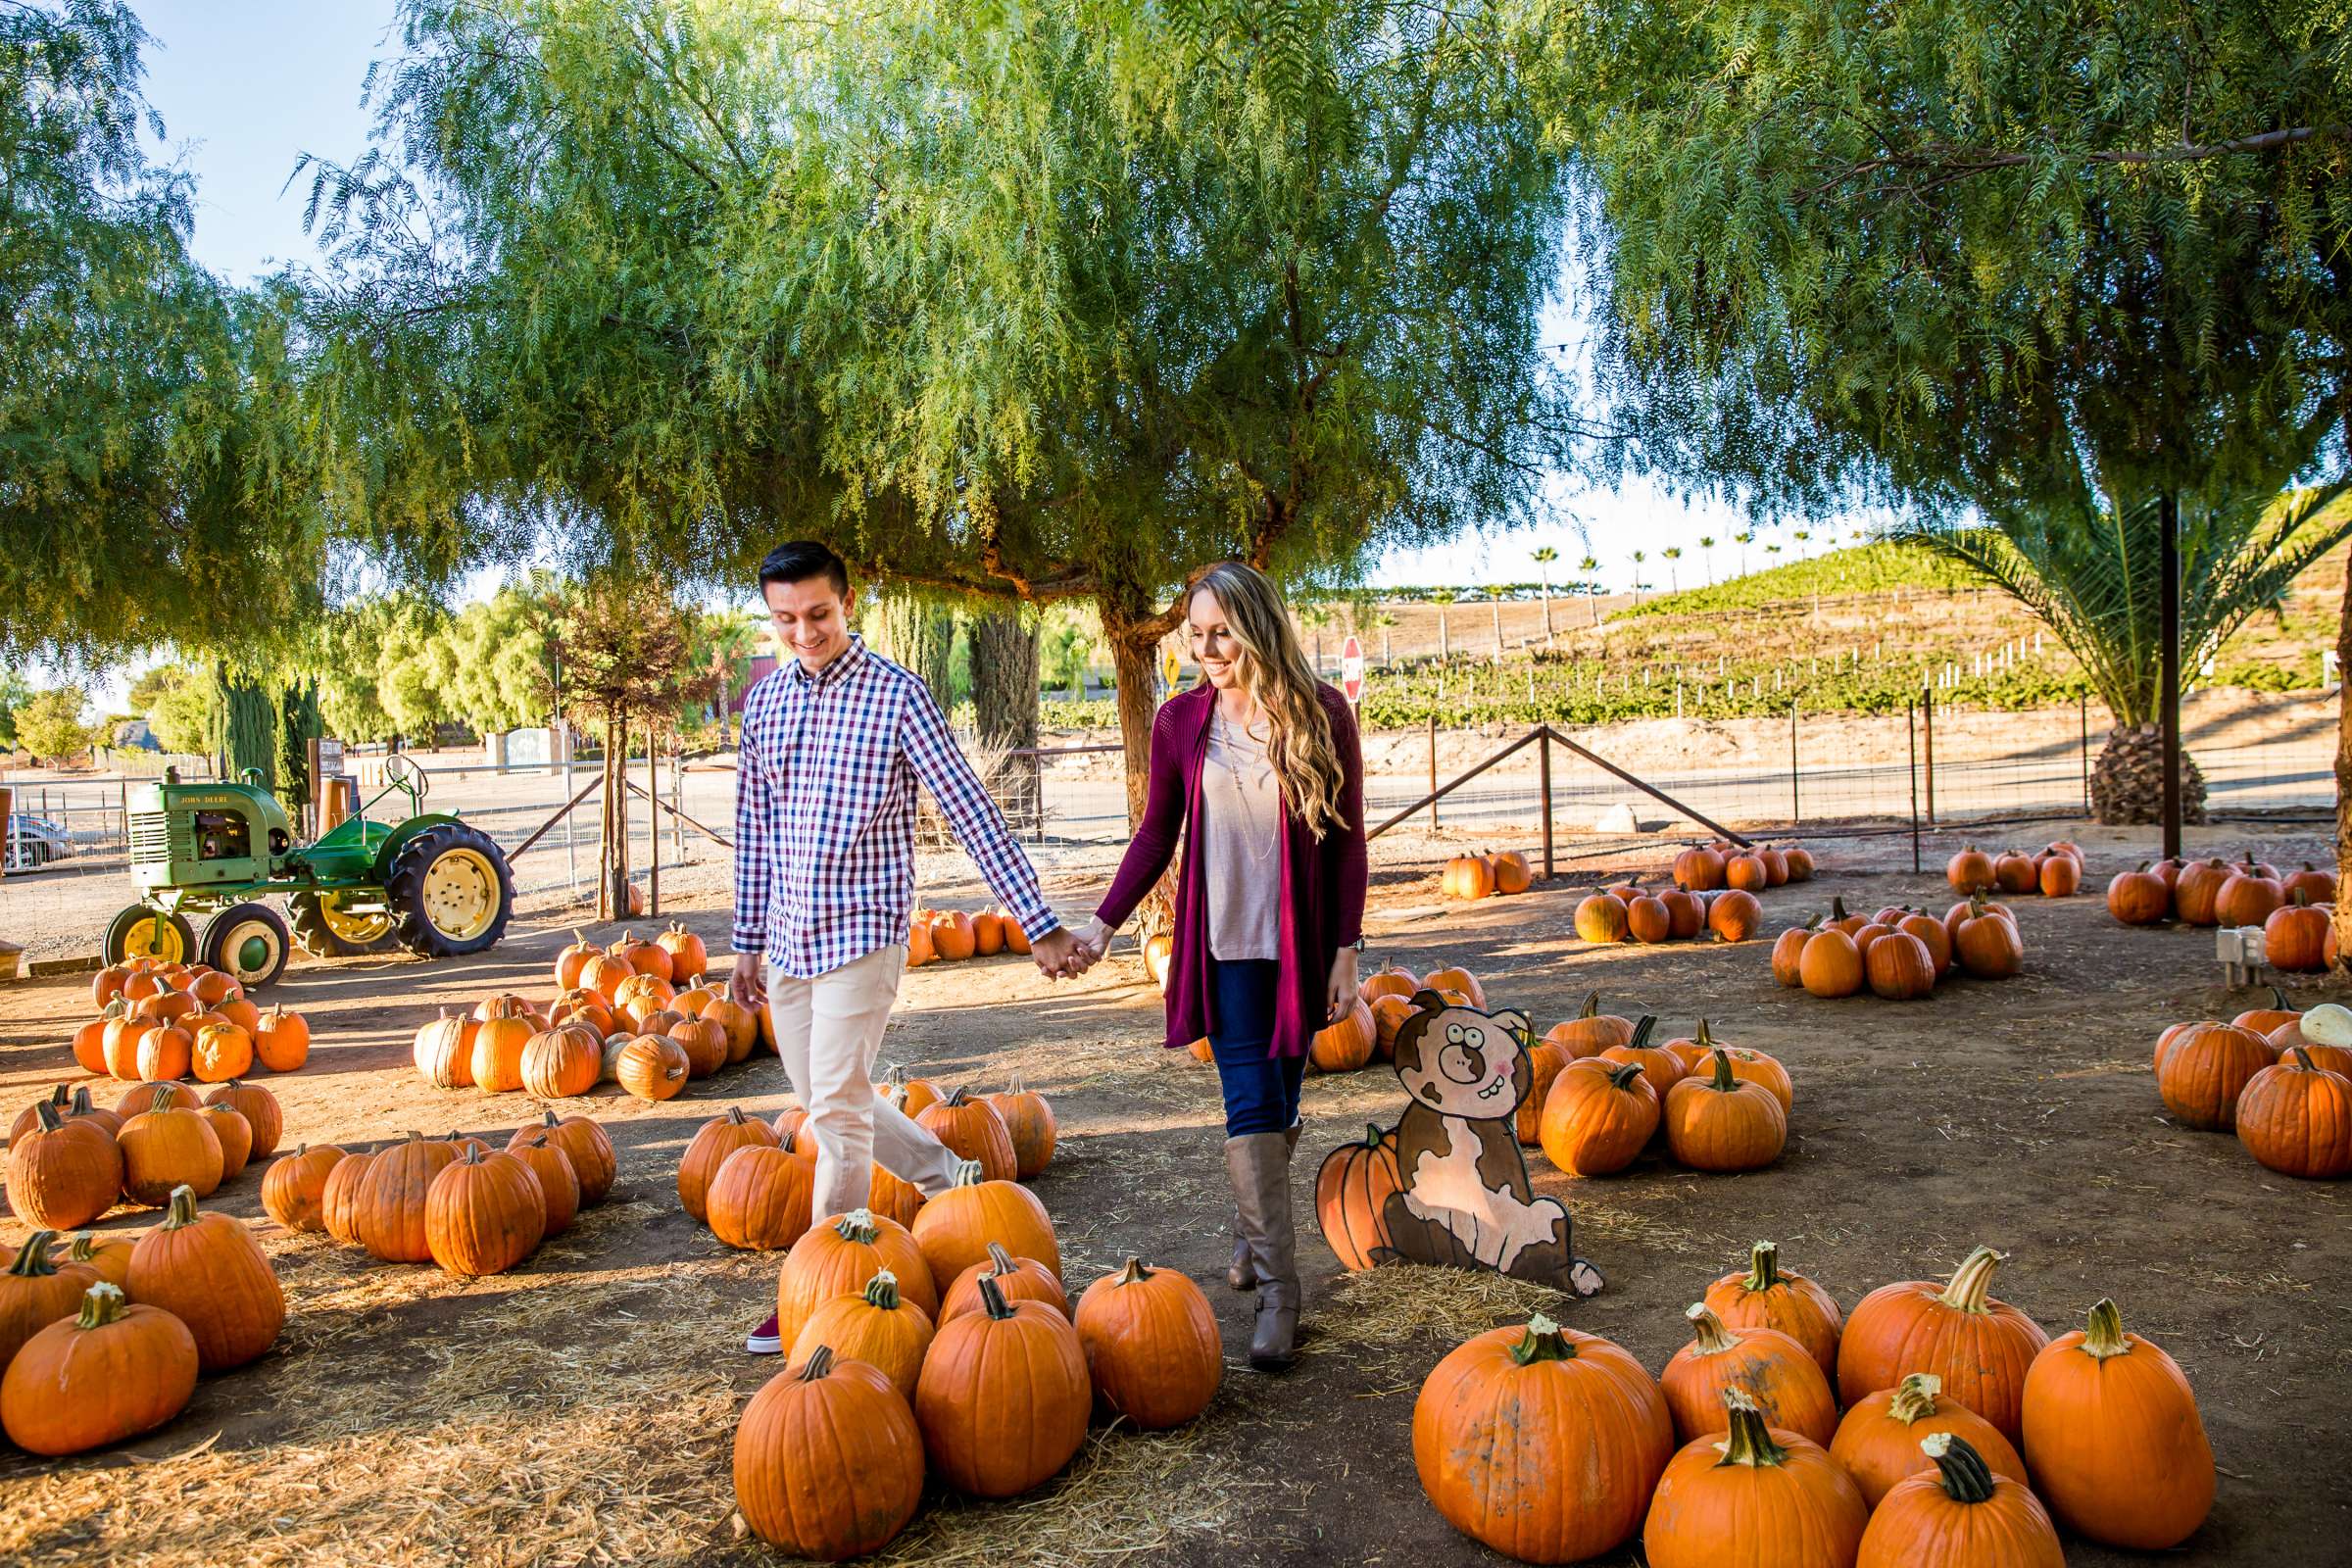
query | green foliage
[1961, 251]
[1068, 645]
[1865, 568]
[52, 726]
[498, 662]
[153, 479]
[2090, 574]
[15, 693]
[182, 708]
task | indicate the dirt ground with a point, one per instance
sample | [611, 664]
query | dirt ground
[580, 1409]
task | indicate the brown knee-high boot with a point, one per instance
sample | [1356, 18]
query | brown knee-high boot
[1240, 1275]
[1258, 1164]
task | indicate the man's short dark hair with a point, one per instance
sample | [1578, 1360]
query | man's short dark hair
[801, 559]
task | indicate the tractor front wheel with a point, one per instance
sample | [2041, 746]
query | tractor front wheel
[142, 932]
[450, 892]
[248, 943]
[327, 928]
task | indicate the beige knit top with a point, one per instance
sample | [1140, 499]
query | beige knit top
[1241, 839]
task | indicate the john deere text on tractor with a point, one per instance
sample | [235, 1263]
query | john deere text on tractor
[431, 883]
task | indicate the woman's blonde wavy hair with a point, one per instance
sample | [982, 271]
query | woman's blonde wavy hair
[1272, 668]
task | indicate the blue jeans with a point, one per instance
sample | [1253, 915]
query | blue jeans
[1261, 1092]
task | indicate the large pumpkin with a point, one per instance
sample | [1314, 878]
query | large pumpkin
[102, 1373]
[339, 1198]
[1901, 967]
[2296, 1118]
[1829, 965]
[1959, 1332]
[562, 1061]
[1766, 1297]
[1003, 1397]
[2295, 937]
[1698, 870]
[1352, 1187]
[583, 1141]
[955, 1228]
[559, 1182]
[1021, 1279]
[689, 960]
[2139, 897]
[1602, 919]
[167, 1148]
[1590, 1032]
[34, 1291]
[1959, 1513]
[1542, 1443]
[63, 1173]
[484, 1214]
[1454, 977]
[1719, 1121]
[294, 1186]
[874, 1325]
[1878, 1440]
[208, 1271]
[1344, 1046]
[2114, 1438]
[498, 1047]
[839, 1256]
[711, 1145]
[1029, 1121]
[1467, 876]
[829, 1459]
[2197, 890]
[1734, 915]
[973, 1130]
[1969, 871]
[391, 1200]
[1771, 1368]
[761, 1197]
[2204, 1069]
[1754, 1498]
[2247, 897]
[1152, 1346]
[282, 1041]
[649, 1067]
[1598, 1117]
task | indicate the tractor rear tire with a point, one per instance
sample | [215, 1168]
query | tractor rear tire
[449, 891]
[169, 937]
[319, 937]
[228, 934]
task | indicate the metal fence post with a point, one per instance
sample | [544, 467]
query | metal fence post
[1433, 771]
[1794, 815]
[1911, 731]
[2082, 715]
[1927, 727]
[1543, 782]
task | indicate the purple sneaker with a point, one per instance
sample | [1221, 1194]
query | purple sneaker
[764, 1340]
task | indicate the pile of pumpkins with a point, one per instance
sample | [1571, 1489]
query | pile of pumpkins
[1899, 952]
[950, 1347]
[633, 1013]
[71, 1160]
[2295, 910]
[454, 1201]
[1367, 1032]
[2279, 1079]
[1631, 913]
[949, 936]
[160, 1022]
[1967, 1435]
[1746, 868]
[2054, 872]
[1482, 876]
[752, 1182]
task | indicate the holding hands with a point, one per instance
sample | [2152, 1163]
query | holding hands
[1065, 954]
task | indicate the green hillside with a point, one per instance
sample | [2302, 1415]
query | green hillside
[1862, 570]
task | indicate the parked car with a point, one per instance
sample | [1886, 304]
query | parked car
[32, 842]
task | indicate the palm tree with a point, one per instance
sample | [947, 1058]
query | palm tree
[1494, 599]
[1588, 567]
[1804, 537]
[1544, 559]
[1674, 581]
[2089, 572]
[1742, 540]
[1384, 620]
[1442, 597]
[1639, 558]
[1706, 546]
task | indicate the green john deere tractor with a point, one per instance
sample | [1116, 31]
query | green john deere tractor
[431, 883]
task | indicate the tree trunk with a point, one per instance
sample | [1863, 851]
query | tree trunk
[2126, 783]
[919, 636]
[2343, 772]
[1004, 707]
[1134, 649]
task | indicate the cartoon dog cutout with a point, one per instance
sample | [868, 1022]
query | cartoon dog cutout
[1465, 1200]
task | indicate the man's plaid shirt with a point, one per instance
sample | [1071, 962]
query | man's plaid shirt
[825, 813]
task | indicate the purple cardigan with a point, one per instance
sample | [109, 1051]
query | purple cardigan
[1322, 905]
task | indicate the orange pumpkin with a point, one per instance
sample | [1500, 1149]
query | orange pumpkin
[484, 1214]
[2296, 1118]
[62, 1174]
[1723, 1122]
[593, 1163]
[1344, 1046]
[832, 1431]
[1590, 1032]
[841, 1255]
[973, 1130]
[1003, 1397]
[1959, 1514]
[876, 1325]
[1511, 872]
[711, 1143]
[282, 1040]
[1771, 1368]
[1600, 919]
[1598, 1117]
[1970, 871]
[1733, 916]
[956, 1228]
[208, 1271]
[1766, 1297]
[1021, 1279]
[1659, 1065]
[1788, 952]
[102, 1373]
[2204, 1069]
[761, 1197]
[1455, 978]
[653, 1069]
[1878, 1440]
[1778, 1496]
[1029, 1120]
[294, 1186]
[1698, 870]
[1352, 1187]
[2114, 1436]
[168, 1146]
[1978, 1345]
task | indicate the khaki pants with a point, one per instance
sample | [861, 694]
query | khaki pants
[828, 1031]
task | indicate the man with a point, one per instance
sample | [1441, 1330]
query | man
[834, 743]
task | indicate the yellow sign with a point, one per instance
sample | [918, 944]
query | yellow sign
[1168, 667]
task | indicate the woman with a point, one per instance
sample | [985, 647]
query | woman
[1258, 772]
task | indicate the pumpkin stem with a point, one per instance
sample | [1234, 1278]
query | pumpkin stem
[1749, 1442]
[1965, 1476]
[1641, 1030]
[1000, 1261]
[2302, 1057]
[60, 1097]
[1542, 1341]
[1972, 1281]
[1623, 1073]
[85, 1248]
[81, 1102]
[1726, 1080]
[1592, 1006]
[967, 1174]
[1837, 906]
[32, 1258]
[2103, 1335]
[819, 1362]
[882, 1290]
[1763, 1267]
[1713, 1337]
[183, 1208]
[962, 1097]
[101, 1305]
[858, 1226]
[1373, 1136]
[1134, 1273]
[993, 1298]
[165, 1095]
[1014, 1088]
[46, 1114]
[1914, 1398]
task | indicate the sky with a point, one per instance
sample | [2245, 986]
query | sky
[246, 86]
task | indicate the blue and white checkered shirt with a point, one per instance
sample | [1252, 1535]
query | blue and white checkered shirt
[825, 813]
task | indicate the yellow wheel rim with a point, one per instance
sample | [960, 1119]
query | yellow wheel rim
[154, 938]
[461, 893]
[356, 929]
